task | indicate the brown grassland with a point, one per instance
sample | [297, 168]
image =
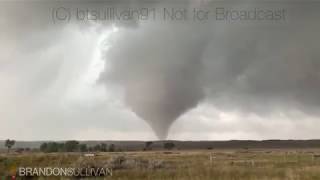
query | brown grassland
[259, 164]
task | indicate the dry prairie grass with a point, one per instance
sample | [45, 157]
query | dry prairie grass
[183, 165]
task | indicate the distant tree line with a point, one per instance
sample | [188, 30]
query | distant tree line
[166, 145]
[169, 145]
[75, 146]
[9, 143]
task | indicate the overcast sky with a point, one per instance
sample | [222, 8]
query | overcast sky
[148, 79]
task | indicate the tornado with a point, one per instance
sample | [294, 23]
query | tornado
[160, 69]
[161, 100]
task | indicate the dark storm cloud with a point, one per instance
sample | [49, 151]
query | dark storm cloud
[166, 68]
[265, 68]
[257, 67]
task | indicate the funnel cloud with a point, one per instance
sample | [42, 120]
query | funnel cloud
[162, 76]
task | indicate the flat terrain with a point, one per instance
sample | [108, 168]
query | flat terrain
[234, 164]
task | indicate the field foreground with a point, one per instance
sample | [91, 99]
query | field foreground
[196, 165]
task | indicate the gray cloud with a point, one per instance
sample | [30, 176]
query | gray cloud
[253, 67]
[167, 70]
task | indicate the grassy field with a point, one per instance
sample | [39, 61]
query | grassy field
[184, 165]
